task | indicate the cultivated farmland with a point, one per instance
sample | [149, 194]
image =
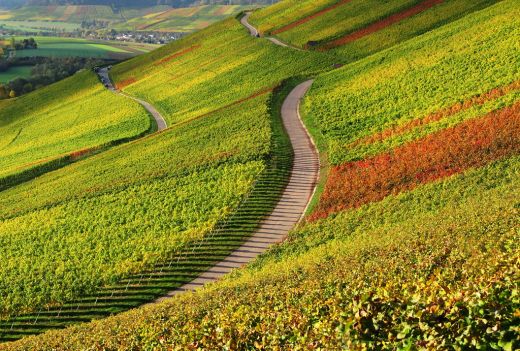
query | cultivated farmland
[67, 47]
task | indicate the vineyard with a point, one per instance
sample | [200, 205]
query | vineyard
[418, 86]
[83, 115]
[350, 16]
[360, 27]
[412, 240]
[181, 79]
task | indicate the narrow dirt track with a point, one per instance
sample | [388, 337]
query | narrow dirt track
[254, 32]
[159, 119]
[245, 22]
[290, 208]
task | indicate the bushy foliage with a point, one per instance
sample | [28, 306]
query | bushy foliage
[442, 154]
[433, 268]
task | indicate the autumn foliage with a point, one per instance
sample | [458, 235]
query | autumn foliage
[471, 144]
[178, 54]
[444, 113]
[125, 83]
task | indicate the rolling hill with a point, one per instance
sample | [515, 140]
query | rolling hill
[52, 127]
[411, 240]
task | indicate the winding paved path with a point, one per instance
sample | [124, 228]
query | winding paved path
[159, 119]
[254, 32]
[290, 208]
[295, 199]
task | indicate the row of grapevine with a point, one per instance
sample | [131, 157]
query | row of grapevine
[426, 75]
[428, 268]
[179, 266]
[211, 69]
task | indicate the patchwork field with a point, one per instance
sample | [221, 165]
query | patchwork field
[37, 26]
[157, 18]
[70, 13]
[412, 241]
[66, 47]
[181, 19]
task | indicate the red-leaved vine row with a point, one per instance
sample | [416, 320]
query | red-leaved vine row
[473, 143]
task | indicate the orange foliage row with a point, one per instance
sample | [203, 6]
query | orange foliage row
[178, 54]
[308, 18]
[382, 24]
[474, 143]
[125, 83]
[447, 112]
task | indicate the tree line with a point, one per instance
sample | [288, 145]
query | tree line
[46, 70]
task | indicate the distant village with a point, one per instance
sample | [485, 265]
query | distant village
[113, 35]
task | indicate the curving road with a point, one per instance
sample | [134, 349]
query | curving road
[159, 119]
[290, 208]
[254, 32]
[295, 199]
[245, 22]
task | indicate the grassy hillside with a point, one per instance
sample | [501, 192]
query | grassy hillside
[71, 116]
[414, 243]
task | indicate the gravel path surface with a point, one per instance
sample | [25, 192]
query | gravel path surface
[159, 119]
[254, 32]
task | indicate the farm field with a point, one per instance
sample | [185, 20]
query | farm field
[66, 47]
[412, 240]
[15, 72]
[50, 123]
[37, 26]
[64, 14]
[181, 19]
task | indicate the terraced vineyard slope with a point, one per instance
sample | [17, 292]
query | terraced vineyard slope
[360, 27]
[179, 187]
[413, 238]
